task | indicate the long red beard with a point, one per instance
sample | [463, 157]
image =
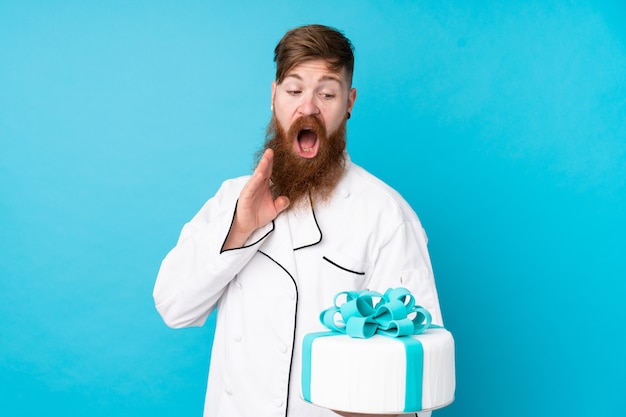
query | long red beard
[295, 177]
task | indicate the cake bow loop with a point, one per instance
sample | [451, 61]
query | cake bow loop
[364, 313]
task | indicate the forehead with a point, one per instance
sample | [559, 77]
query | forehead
[318, 70]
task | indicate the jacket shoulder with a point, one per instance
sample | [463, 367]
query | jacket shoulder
[360, 183]
[224, 200]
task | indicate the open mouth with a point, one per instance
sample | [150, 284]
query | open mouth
[306, 143]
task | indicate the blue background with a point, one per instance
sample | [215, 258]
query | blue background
[502, 123]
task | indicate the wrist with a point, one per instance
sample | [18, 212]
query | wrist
[235, 239]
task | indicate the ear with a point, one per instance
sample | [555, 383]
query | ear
[351, 99]
[273, 91]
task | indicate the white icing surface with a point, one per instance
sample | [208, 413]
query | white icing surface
[369, 375]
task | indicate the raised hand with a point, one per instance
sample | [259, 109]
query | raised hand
[256, 206]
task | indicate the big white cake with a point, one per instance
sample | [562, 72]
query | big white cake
[378, 374]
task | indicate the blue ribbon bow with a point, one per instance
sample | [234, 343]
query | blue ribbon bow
[365, 313]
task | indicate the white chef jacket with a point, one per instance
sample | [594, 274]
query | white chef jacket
[270, 292]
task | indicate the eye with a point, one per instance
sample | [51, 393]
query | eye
[294, 92]
[327, 96]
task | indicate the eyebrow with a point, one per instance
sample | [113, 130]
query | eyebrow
[325, 77]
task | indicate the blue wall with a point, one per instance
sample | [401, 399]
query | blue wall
[502, 123]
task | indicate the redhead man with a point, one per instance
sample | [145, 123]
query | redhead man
[271, 250]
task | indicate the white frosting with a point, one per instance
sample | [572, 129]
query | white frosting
[369, 375]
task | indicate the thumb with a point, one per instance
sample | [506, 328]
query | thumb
[281, 203]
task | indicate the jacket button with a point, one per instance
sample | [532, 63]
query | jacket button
[228, 391]
[278, 403]
[237, 338]
[282, 348]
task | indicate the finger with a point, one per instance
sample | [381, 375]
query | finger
[265, 164]
[262, 171]
[281, 203]
[261, 175]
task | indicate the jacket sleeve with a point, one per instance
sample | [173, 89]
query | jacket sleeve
[196, 272]
[403, 260]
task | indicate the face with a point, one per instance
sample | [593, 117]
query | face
[310, 89]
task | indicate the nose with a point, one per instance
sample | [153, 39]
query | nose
[308, 106]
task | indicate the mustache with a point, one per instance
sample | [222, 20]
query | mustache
[308, 123]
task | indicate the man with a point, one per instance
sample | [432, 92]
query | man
[271, 250]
